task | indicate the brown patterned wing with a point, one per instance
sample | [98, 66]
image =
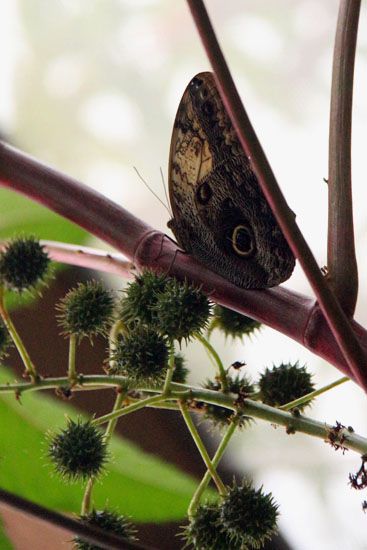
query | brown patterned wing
[220, 214]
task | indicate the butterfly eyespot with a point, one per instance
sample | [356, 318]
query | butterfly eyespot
[242, 241]
[204, 193]
[196, 83]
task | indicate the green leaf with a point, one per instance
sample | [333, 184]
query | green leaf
[5, 543]
[136, 483]
[21, 215]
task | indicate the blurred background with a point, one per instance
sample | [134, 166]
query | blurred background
[92, 88]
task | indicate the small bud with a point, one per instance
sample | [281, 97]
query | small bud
[86, 310]
[78, 451]
[181, 310]
[283, 384]
[249, 516]
[140, 298]
[221, 416]
[23, 264]
[232, 323]
[109, 521]
[141, 355]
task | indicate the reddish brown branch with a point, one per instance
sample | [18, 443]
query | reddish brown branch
[71, 199]
[338, 322]
[341, 260]
[292, 314]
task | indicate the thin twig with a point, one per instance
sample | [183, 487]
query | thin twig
[207, 477]
[331, 309]
[341, 257]
[201, 448]
[84, 256]
[30, 369]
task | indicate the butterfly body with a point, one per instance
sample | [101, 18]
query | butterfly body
[220, 214]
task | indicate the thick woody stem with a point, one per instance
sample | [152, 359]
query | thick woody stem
[341, 259]
[338, 322]
[71, 199]
[291, 313]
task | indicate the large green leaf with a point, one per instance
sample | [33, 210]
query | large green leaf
[136, 483]
[21, 215]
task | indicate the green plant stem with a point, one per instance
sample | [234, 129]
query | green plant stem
[215, 461]
[201, 448]
[302, 400]
[112, 423]
[30, 369]
[127, 410]
[221, 370]
[170, 370]
[87, 499]
[72, 375]
[249, 407]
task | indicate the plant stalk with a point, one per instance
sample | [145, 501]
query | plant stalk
[201, 448]
[341, 256]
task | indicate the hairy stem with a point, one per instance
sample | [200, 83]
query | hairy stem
[338, 322]
[72, 376]
[255, 409]
[87, 498]
[341, 256]
[127, 410]
[195, 501]
[308, 397]
[221, 370]
[30, 368]
[201, 448]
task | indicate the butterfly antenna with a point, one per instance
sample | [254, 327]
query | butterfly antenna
[165, 191]
[151, 190]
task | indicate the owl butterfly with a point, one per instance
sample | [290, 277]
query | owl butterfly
[220, 214]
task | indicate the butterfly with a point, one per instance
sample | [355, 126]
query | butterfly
[220, 214]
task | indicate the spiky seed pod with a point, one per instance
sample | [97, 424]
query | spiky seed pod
[220, 416]
[86, 310]
[181, 310]
[5, 341]
[140, 297]
[141, 355]
[23, 264]
[109, 521]
[284, 383]
[232, 323]
[249, 516]
[78, 451]
[180, 372]
[205, 531]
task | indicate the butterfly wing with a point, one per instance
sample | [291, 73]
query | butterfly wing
[220, 214]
